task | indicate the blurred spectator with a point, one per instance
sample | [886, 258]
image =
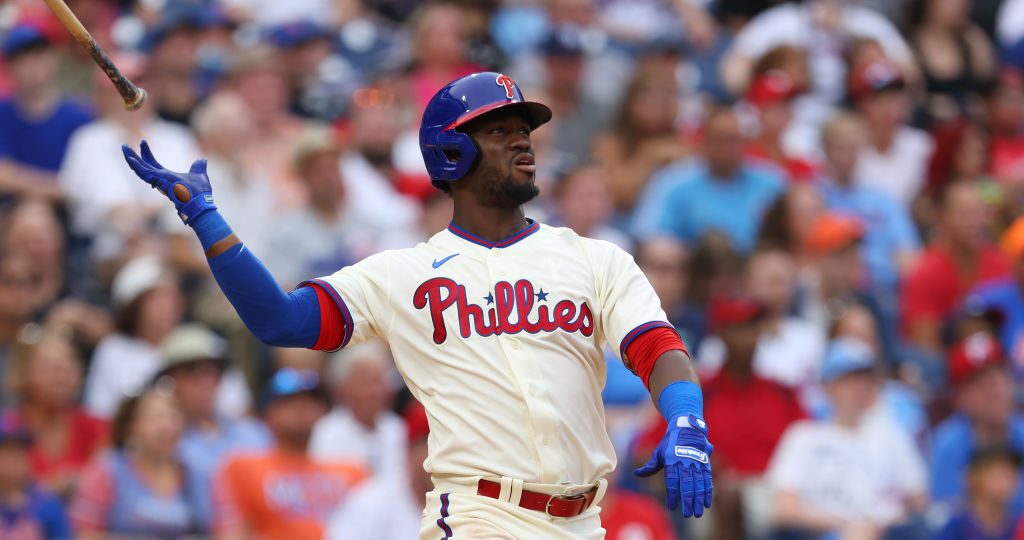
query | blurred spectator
[269, 12]
[106, 201]
[984, 416]
[32, 229]
[771, 95]
[955, 56]
[894, 159]
[823, 28]
[376, 167]
[890, 241]
[36, 122]
[1004, 295]
[788, 348]
[140, 486]
[845, 475]
[993, 476]
[321, 237]
[959, 257]
[362, 428]
[17, 307]
[961, 153]
[585, 205]
[627, 515]
[733, 397]
[789, 220]
[46, 377]
[390, 507]
[245, 193]
[28, 513]
[1005, 117]
[283, 493]
[643, 138]
[148, 305]
[305, 46]
[666, 264]
[193, 364]
[172, 43]
[439, 50]
[720, 192]
[257, 75]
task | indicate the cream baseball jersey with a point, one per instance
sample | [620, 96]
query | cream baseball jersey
[502, 343]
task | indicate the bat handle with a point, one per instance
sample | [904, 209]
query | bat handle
[132, 95]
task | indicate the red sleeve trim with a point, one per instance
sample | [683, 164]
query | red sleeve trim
[644, 349]
[332, 327]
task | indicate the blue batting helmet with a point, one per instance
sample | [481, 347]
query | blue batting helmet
[449, 153]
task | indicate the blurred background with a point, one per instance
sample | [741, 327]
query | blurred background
[824, 193]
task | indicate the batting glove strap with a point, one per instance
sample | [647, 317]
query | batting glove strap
[188, 212]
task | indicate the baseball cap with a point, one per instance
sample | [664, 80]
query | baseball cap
[315, 139]
[844, 356]
[1012, 241]
[994, 452]
[564, 40]
[23, 37]
[293, 34]
[875, 76]
[287, 382]
[190, 343]
[724, 312]
[179, 16]
[833, 231]
[972, 354]
[136, 278]
[772, 87]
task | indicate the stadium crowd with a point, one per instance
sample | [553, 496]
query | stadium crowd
[826, 195]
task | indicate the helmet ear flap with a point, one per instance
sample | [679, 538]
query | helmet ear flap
[457, 153]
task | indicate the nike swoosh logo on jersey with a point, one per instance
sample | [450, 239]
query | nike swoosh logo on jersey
[437, 263]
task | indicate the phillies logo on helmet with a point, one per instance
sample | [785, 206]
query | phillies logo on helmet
[508, 83]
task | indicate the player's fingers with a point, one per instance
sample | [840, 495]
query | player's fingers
[141, 170]
[672, 487]
[699, 491]
[147, 155]
[708, 489]
[652, 466]
[686, 491]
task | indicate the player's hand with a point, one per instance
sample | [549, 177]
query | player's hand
[190, 192]
[684, 453]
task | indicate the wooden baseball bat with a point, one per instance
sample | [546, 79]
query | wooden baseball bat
[132, 95]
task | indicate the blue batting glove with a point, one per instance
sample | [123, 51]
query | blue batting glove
[190, 192]
[684, 453]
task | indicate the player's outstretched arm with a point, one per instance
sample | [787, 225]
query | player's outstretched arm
[684, 452]
[275, 317]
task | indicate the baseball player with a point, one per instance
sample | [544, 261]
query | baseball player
[496, 324]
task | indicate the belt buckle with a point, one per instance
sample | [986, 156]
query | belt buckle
[547, 507]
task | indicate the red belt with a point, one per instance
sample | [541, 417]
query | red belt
[553, 505]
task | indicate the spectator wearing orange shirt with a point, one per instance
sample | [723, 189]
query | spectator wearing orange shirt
[959, 257]
[283, 494]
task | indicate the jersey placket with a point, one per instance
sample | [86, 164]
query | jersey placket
[542, 419]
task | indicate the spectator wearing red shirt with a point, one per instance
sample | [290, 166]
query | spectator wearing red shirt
[771, 94]
[626, 515]
[47, 377]
[750, 413]
[959, 257]
[1005, 113]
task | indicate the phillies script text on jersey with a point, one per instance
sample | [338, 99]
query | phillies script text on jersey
[439, 294]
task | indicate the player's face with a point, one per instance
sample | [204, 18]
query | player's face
[504, 175]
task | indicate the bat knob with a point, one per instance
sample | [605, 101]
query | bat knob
[139, 99]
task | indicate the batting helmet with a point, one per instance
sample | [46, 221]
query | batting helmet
[449, 153]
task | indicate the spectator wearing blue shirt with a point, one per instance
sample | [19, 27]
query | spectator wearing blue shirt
[720, 192]
[890, 241]
[984, 416]
[194, 362]
[25, 512]
[36, 122]
[992, 479]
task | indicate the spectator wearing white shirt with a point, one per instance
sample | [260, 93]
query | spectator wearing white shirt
[854, 475]
[106, 201]
[895, 158]
[362, 427]
[385, 508]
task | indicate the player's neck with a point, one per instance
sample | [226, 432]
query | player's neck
[493, 223]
